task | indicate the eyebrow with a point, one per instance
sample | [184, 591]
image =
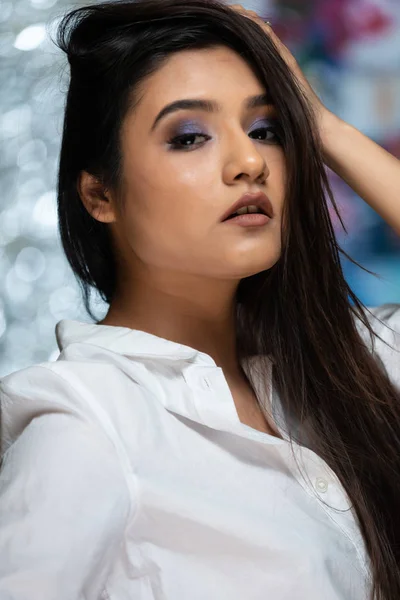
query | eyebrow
[210, 106]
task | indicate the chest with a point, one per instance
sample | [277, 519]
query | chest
[231, 505]
[214, 496]
[249, 410]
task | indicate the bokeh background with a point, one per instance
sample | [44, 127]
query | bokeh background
[349, 50]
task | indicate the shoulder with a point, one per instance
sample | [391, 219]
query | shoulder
[62, 388]
[66, 488]
[388, 313]
[385, 322]
[35, 390]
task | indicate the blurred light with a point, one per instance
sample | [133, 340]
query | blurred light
[30, 264]
[17, 290]
[44, 322]
[36, 63]
[53, 355]
[62, 302]
[6, 43]
[3, 322]
[9, 77]
[41, 90]
[38, 287]
[43, 4]
[10, 152]
[32, 155]
[6, 11]
[31, 37]
[45, 212]
[13, 122]
[22, 312]
[30, 188]
[57, 271]
[5, 264]
[9, 226]
[21, 341]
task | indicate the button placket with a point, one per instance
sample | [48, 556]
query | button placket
[211, 395]
[214, 403]
[334, 500]
[200, 376]
[206, 382]
[321, 479]
[321, 485]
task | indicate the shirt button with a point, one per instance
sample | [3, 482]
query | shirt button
[206, 383]
[321, 484]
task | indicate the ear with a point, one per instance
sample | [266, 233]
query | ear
[96, 200]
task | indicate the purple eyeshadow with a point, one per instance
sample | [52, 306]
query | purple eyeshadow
[261, 123]
[188, 127]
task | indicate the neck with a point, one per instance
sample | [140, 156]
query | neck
[191, 313]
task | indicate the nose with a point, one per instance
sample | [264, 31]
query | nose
[247, 162]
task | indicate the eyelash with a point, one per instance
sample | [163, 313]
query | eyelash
[177, 146]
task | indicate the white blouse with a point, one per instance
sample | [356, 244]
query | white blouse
[127, 475]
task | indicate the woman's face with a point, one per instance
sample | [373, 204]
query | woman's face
[176, 193]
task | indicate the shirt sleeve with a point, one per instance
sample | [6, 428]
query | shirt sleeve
[64, 501]
[388, 328]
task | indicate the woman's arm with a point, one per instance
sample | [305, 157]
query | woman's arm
[372, 172]
[64, 503]
[367, 168]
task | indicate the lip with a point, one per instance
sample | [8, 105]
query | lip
[257, 199]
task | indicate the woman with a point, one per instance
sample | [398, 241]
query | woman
[230, 428]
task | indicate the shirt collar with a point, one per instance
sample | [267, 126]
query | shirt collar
[125, 341]
[134, 342]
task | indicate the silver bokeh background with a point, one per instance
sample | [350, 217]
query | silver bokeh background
[37, 286]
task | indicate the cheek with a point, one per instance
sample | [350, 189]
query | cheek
[172, 198]
[164, 227]
[276, 184]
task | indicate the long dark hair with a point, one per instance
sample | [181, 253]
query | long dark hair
[301, 311]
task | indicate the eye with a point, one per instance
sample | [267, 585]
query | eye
[270, 134]
[183, 142]
[186, 143]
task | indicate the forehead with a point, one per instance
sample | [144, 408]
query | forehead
[218, 73]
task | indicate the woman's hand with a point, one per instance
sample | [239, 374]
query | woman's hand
[366, 167]
[323, 115]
